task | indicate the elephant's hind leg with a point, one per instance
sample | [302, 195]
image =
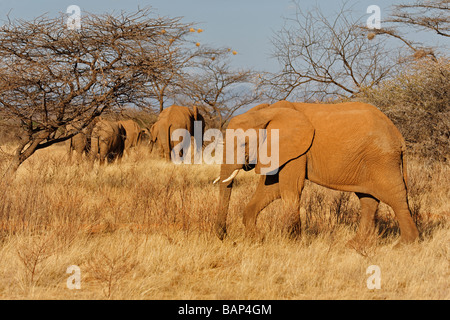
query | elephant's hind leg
[369, 206]
[267, 191]
[408, 229]
[393, 193]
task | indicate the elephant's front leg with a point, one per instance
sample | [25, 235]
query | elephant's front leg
[267, 191]
[292, 181]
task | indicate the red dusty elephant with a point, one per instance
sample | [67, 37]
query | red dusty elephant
[170, 119]
[349, 146]
[107, 141]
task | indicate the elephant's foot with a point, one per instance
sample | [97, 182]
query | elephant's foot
[403, 241]
[255, 235]
[408, 235]
[363, 241]
[220, 230]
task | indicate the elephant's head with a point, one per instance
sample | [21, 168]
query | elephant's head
[283, 132]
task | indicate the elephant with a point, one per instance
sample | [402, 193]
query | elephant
[107, 141]
[348, 146]
[134, 134]
[170, 119]
[80, 143]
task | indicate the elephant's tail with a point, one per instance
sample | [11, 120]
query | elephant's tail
[195, 113]
[404, 169]
[71, 146]
[168, 141]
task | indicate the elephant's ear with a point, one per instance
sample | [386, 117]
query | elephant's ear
[122, 130]
[288, 135]
[153, 133]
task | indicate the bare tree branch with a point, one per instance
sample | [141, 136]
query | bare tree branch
[324, 56]
[219, 90]
[427, 15]
[422, 15]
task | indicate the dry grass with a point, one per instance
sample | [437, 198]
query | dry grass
[142, 230]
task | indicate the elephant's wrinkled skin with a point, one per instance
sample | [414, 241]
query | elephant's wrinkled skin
[170, 119]
[107, 141]
[347, 146]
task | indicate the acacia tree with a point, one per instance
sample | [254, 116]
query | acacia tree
[326, 56]
[422, 15]
[51, 76]
[428, 15]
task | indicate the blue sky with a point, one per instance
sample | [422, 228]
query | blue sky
[244, 25]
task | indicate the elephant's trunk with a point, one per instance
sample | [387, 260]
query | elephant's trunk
[226, 171]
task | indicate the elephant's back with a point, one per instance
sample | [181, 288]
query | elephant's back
[174, 110]
[177, 117]
[102, 126]
[354, 125]
[107, 129]
[356, 116]
[130, 125]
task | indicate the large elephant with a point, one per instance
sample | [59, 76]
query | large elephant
[347, 146]
[134, 134]
[170, 119]
[107, 141]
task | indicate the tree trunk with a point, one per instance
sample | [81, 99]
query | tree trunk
[12, 168]
[22, 153]
[161, 104]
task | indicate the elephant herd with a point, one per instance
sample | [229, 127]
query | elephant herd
[106, 140]
[349, 146]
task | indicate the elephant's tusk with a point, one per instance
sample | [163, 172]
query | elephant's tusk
[233, 175]
[217, 180]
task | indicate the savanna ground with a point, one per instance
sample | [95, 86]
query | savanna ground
[142, 229]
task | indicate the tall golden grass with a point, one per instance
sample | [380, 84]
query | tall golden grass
[141, 229]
